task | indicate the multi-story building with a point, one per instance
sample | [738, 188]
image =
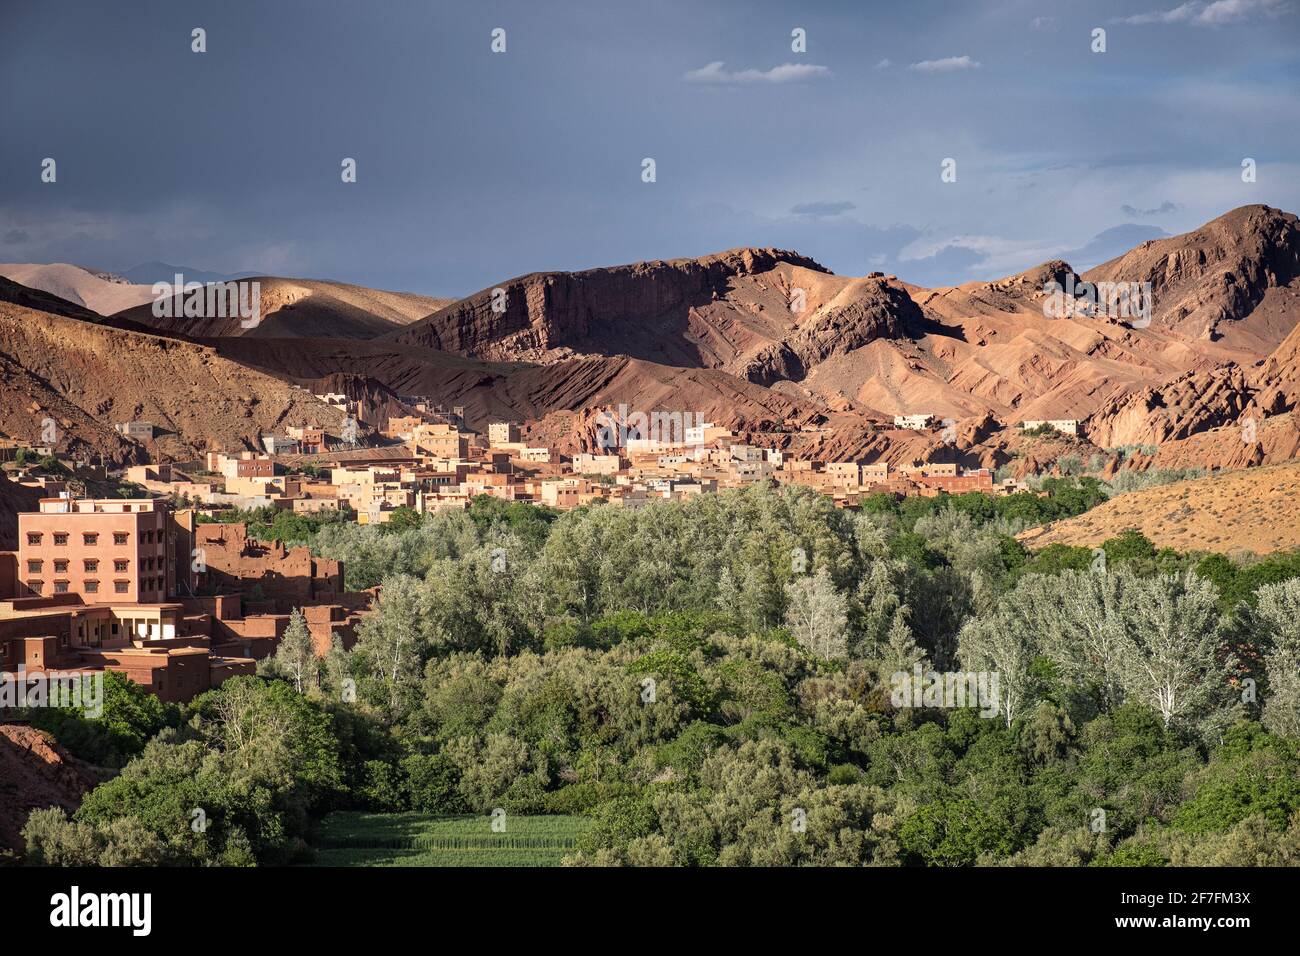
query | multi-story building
[502, 433]
[108, 551]
[440, 440]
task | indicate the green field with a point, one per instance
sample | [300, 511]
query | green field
[349, 838]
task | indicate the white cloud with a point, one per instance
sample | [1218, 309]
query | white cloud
[1218, 13]
[1043, 23]
[884, 64]
[717, 73]
[946, 65]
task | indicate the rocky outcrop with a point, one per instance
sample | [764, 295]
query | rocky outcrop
[1192, 403]
[1216, 274]
[35, 772]
[647, 310]
[1277, 380]
[880, 310]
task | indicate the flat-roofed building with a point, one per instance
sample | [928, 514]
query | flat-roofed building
[585, 464]
[502, 433]
[1066, 426]
[108, 551]
[139, 431]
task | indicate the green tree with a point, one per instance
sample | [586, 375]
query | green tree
[295, 657]
[817, 615]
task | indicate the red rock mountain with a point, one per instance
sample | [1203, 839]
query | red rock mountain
[87, 375]
[762, 340]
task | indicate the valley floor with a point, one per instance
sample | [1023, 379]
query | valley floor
[350, 838]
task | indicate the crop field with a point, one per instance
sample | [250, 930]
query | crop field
[350, 838]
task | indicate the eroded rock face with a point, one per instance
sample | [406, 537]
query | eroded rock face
[665, 311]
[1192, 403]
[1216, 274]
[882, 310]
[1277, 380]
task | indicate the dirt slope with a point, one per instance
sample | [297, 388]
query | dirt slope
[96, 291]
[300, 308]
[35, 773]
[87, 376]
[1251, 510]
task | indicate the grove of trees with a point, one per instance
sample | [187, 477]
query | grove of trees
[709, 681]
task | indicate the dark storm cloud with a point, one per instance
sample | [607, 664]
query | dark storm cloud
[474, 166]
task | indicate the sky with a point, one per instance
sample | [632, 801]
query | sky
[475, 166]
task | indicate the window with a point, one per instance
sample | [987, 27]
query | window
[35, 586]
[60, 587]
[91, 564]
[120, 564]
[91, 538]
[121, 587]
[119, 537]
[33, 567]
[90, 587]
[34, 537]
[61, 566]
[60, 537]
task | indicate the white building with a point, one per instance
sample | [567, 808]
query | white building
[1066, 426]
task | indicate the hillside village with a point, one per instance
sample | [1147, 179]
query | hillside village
[151, 584]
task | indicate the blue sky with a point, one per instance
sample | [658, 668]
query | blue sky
[475, 166]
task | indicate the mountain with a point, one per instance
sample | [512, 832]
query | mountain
[698, 313]
[879, 347]
[99, 292]
[299, 308]
[768, 342]
[88, 375]
[1236, 279]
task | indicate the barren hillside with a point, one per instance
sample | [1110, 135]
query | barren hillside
[300, 308]
[78, 286]
[86, 377]
[1251, 510]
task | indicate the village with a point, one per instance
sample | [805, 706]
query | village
[157, 584]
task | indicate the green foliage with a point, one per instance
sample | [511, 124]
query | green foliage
[416, 839]
[128, 718]
[708, 683]
[279, 524]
